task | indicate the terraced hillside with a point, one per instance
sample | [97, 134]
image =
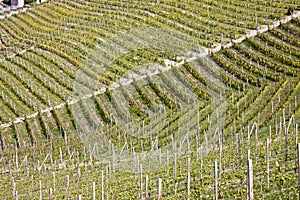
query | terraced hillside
[71, 128]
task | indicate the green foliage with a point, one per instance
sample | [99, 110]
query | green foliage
[261, 75]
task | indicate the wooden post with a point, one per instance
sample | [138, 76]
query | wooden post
[94, 191]
[60, 154]
[250, 195]
[248, 134]
[102, 185]
[256, 137]
[298, 152]
[159, 189]
[50, 194]
[220, 152]
[249, 154]
[79, 174]
[286, 144]
[206, 143]
[188, 175]
[275, 122]
[41, 196]
[216, 194]
[280, 125]
[147, 187]
[141, 181]
[296, 133]
[175, 166]
[197, 144]
[201, 165]
[267, 161]
[79, 197]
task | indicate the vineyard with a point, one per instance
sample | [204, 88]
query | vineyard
[150, 100]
